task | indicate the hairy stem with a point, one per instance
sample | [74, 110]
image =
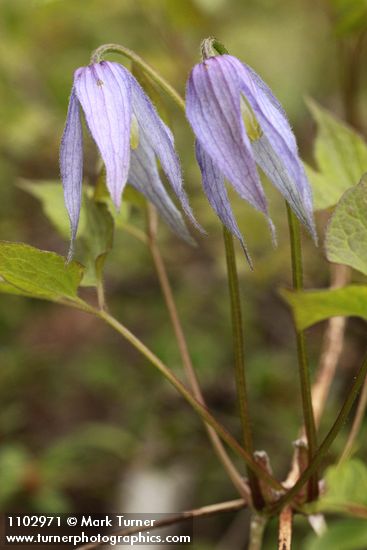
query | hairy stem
[160, 267]
[304, 371]
[327, 442]
[239, 360]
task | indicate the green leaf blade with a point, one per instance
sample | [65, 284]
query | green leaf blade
[310, 307]
[97, 239]
[38, 273]
[341, 157]
[345, 535]
[346, 236]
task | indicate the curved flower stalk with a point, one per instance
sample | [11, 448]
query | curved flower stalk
[129, 135]
[238, 124]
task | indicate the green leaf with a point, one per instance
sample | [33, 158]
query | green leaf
[345, 535]
[312, 306]
[346, 489]
[95, 229]
[341, 157]
[97, 239]
[324, 193]
[51, 196]
[130, 197]
[33, 272]
[346, 235]
[5, 288]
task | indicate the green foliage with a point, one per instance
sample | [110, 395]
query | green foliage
[97, 239]
[17, 468]
[341, 157]
[64, 462]
[312, 306]
[345, 493]
[346, 486]
[345, 535]
[52, 500]
[95, 230]
[13, 463]
[345, 243]
[51, 196]
[71, 372]
[346, 236]
[32, 272]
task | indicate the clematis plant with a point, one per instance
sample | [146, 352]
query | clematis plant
[238, 124]
[129, 135]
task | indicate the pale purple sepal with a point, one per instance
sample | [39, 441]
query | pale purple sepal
[71, 166]
[276, 172]
[277, 151]
[213, 108]
[104, 92]
[214, 112]
[144, 176]
[160, 139]
[215, 190]
[108, 95]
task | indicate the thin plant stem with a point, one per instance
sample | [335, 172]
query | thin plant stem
[175, 96]
[239, 361]
[165, 285]
[304, 371]
[204, 511]
[332, 347]
[326, 444]
[357, 422]
[285, 529]
[96, 57]
[257, 529]
[98, 54]
[182, 389]
[101, 294]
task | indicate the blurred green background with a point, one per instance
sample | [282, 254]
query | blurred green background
[83, 418]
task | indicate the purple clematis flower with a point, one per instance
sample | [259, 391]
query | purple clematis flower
[238, 124]
[114, 104]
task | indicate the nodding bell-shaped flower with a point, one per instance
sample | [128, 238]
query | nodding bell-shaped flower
[238, 124]
[129, 135]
